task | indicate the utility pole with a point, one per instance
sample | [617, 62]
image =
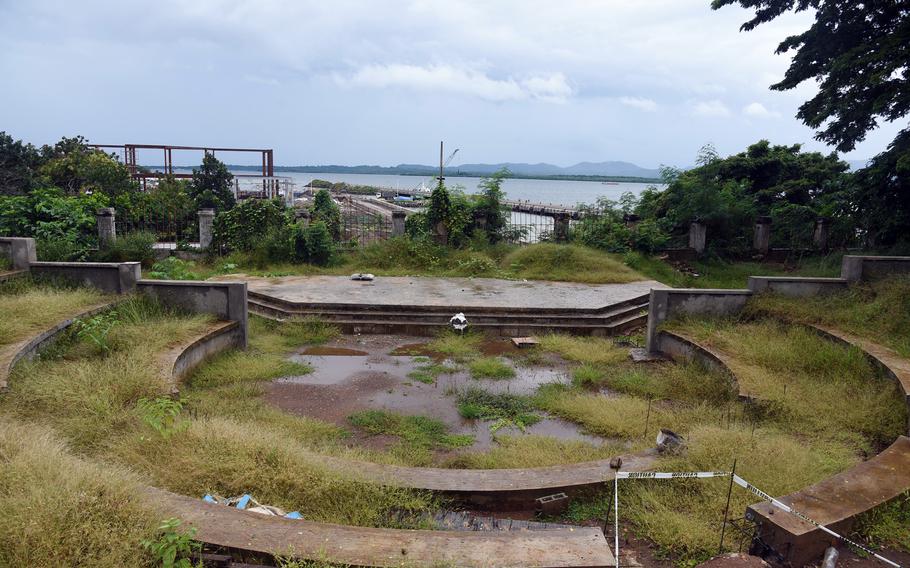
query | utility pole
[441, 177]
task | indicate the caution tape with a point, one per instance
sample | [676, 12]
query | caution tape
[670, 475]
[784, 507]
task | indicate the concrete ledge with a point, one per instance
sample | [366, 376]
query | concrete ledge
[180, 361]
[29, 348]
[856, 268]
[362, 546]
[20, 251]
[4, 276]
[669, 303]
[111, 277]
[224, 300]
[796, 286]
[834, 502]
[678, 346]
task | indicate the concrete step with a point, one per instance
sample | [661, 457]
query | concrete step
[565, 318]
[416, 327]
[278, 303]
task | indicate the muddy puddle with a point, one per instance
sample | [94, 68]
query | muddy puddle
[346, 380]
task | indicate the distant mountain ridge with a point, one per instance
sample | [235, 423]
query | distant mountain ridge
[594, 169]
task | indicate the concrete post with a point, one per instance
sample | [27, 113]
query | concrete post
[698, 234]
[820, 236]
[561, 227]
[105, 219]
[21, 251]
[631, 220]
[398, 222]
[762, 239]
[441, 233]
[206, 217]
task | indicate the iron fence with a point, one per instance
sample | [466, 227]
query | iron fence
[169, 226]
[361, 225]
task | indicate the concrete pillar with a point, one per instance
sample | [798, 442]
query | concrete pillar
[441, 233]
[21, 251]
[698, 234]
[561, 227]
[398, 220]
[206, 217]
[107, 229]
[820, 236]
[762, 239]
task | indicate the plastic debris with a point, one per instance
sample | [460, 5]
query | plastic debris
[362, 276]
[669, 441]
[459, 322]
[247, 503]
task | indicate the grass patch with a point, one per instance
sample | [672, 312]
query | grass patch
[533, 451]
[570, 263]
[456, 345]
[879, 311]
[586, 350]
[806, 383]
[491, 368]
[722, 274]
[5, 264]
[419, 435]
[429, 373]
[887, 525]
[506, 409]
[588, 376]
[29, 307]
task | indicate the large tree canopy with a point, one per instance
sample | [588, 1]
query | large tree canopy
[858, 52]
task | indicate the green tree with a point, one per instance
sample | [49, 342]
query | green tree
[325, 209]
[439, 211]
[75, 168]
[489, 208]
[19, 163]
[241, 228]
[211, 185]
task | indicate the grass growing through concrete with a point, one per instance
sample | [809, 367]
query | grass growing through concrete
[29, 306]
[491, 368]
[879, 311]
[419, 435]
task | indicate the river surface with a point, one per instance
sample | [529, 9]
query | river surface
[557, 192]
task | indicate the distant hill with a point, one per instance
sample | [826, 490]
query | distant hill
[612, 169]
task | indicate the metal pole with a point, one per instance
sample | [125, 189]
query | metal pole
[616, 517]
[441, 177]
[648, 418]
[723, 527]
[607, 516]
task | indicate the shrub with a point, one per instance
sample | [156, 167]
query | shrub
[132, 247]
[325, 210]
[240, 228]
[211, 185]
[172, 268]
[314, 244]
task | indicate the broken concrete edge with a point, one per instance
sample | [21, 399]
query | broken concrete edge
[29, 348]
[666, 303]
[365, 546]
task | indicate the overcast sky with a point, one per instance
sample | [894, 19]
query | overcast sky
[374, 82]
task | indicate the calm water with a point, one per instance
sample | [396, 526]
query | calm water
[557, 192]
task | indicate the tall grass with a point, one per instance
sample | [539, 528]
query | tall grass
[62, 510]
[29, 307]
[879, 311]
[571, 263]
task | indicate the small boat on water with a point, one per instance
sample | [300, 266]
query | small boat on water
[610, 182]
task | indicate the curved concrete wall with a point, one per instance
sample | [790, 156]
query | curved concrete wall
[180, 361]
[29, 348]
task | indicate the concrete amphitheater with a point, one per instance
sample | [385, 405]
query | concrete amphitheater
[834, 502]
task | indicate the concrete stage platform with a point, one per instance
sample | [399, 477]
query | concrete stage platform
[476, 293]
[423, 306]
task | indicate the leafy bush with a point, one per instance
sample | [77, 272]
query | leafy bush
[211, 185]
[240, 228]
[132, 247]
[314, 244]
[325, 210]
[172, 268]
